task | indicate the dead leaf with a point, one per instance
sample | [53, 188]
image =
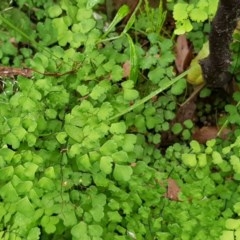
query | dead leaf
[186, 111]
[172, 190]
[184, 53]
[206, 133]
[126, 69]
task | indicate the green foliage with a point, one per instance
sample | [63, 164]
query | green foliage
[235, 50]
[194, 11]
[151, 20]
[233, 113]
[79, 155]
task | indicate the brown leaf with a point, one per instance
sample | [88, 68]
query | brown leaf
[206, 133]
[186, 111]
[126, 69]
[183, 53]
[172, 190]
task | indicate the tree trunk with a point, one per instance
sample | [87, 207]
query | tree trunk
[216, 66]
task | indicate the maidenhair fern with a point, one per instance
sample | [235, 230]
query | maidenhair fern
[185, 14]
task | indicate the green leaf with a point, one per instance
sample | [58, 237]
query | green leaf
[8, 193]
[61, 137]
[133, 60]
[132, 18]
[105, 111]
[232, 224]
[92, 3]
[129, 142]
[43, 84]
[101, 180]
[30, 170]
[54, 11]
[211, 143]
[19, 19]
[205, 92]
[236, 96]
[179, 87]
[156, 138]
[6, 173]
[122, 173]
[116, 73]
[69, 216]
[183, 27]
[202, 160]
[24, 187]
[28, 104]
[74, 132]
[113, 204]
[49, 222]
[97, 213]
[25, 207]
[83, 14]
[12, 140]
[198, 15]
[189, 159]
[129, 84]
[29, 123]
[50, 172]
[177, 128]
[186, 134]
[97, 92]
[180, 11]
[95, 230]
[83, 90]
[237, 208]
[46, 183]
[108, 147]
[118, 128]
[9, 49]
[195, 146]
[51, 113]
[227, 235]
[83, 162]
[156, 75]
[20, 132]
[6, 154]
[74, 150]
[65, 37]
[188, 123]
[130, 94]
[86, 25]
[80, 231]
[99, 200]
[216, 157]
[121, 13]
[106, 164]
[114, 216]
[120, 157]
[34, 234]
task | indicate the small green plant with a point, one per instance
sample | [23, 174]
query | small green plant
[185, 14]
[81, 153]
[150, 20]
[63, 162]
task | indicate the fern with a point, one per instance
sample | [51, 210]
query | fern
[185, 14]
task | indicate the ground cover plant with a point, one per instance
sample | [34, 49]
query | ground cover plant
[103, 136]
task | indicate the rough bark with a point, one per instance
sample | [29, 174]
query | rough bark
[216, 66]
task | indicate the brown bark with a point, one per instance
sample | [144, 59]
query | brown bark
[216, 66]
